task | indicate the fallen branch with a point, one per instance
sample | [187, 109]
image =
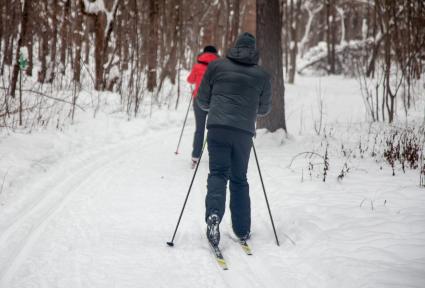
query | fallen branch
[17, 111]
[311, 154]
[48, 96]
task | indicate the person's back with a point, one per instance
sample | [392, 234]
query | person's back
[233, 91]
[198, 70]
[195, 77]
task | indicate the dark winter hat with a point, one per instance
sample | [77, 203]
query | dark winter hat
[245, 40]
[210, 49]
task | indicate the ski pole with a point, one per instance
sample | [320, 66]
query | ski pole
[171, 243]
[184, 124]
[265, 195]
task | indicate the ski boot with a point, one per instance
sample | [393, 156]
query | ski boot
[213, 231]
[245, 237]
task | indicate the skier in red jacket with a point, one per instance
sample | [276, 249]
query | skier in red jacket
[195, 77]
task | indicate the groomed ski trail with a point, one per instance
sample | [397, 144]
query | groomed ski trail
[103, 218]
[85, 171]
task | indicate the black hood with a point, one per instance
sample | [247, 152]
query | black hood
[245, 51]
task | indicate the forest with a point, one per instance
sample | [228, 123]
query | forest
[133, 47]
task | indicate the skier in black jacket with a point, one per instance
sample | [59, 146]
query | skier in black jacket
[234, 91]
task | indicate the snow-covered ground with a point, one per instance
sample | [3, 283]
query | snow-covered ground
[93, 205]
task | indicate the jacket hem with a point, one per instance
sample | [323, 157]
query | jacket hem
[230, 128]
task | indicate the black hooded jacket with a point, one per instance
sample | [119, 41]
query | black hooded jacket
[235, 90]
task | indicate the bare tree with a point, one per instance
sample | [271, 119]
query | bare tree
[269, 25]
[153, 43]
[104, 17]
[78, 38]
[330, 34]
[312, 10]
[293, 46]
[24, 28]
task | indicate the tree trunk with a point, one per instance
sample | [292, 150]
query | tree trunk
[235, 24]
[54, 36]
[100, 24]
[327, 29]
[8, 35]
[293, 48]
[103, 28]
[44, 47]
[24, 27]
[87, 41]
[78, 38]
[248, 16]
[30, 47]
[170, 67]
[153, 44]
[269, 43]
[333, 37]
[286, 40]
[65, 35]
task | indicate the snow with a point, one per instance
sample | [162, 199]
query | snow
[98, 6]
[364, 29]
[114, 73]
[94, 7]
[24, 52]
[93, 205]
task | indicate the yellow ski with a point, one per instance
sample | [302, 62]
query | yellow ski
[218, 257]
[245, 247]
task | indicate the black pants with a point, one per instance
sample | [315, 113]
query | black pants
[198, 139]
[229, 152]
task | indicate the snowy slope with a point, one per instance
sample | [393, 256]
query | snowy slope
[99, 213]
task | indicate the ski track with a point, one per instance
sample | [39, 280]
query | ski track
[254, 267]
[49, 204]
[22, 239]
[102, 220]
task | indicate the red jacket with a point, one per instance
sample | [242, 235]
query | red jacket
[198, 70]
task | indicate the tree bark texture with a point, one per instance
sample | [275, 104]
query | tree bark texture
[153, 44]
[269, 43]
